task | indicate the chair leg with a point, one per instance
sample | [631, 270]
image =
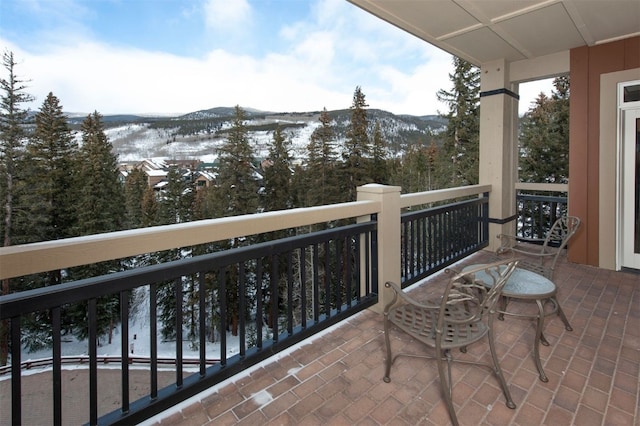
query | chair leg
[446, 383]
[497, 369]
[543, 339]
[503, 307]
[388, 360]
[562, 316]
[537, 340]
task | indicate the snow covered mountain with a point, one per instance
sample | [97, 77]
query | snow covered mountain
[197, 135]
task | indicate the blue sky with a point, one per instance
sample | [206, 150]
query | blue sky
[178, 56]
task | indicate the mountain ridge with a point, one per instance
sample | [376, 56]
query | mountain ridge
[199, 134]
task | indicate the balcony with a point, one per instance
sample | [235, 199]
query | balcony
[335, 375]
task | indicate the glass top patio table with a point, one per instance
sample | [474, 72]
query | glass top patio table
[522, 284]
[526, 285]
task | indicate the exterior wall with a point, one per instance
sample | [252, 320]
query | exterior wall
[588, 64]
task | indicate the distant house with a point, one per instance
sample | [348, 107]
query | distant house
[154, 177]
[155, 169]
[204, 179]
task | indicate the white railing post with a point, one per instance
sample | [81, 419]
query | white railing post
[388, 236]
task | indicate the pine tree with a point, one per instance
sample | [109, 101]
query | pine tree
[278, 196]
[100, 208]
[52, 154]
[462, 137]
[237, 185]
[322, 185]
[432, 155]
[12, 137]
[236, 194]
[149, 208]
[175, 205]
[357, 148]
[544, 137]
[277, 174]
[411, 175]
[135, 187]
[50, 174]
[379, 172]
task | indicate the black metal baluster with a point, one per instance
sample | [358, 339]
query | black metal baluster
[57, 365]
[16, 375]
[222, 294]
[327, 281]
[303, 287]
[124, 344]
[289, 293]
[242, 309]
[179, 355]
[367, 267]
[259, 304]
[93, 362]
[339, 275]
[316, 284]
[153, 339]
[202, 321]
[423, 247]
[351, 251]
[403, 250]
[274, 297]
[374, 260]
[432, 241]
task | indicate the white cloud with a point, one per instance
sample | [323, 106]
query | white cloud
[529, 92]
[221, 15]
[91, 76]
[323, 58]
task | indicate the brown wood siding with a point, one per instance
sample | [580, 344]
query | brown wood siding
[586, 66]
[578, 110]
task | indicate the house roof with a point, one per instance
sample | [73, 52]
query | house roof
[483, 31]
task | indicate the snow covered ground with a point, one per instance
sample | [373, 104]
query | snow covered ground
[138, 346]
[136, 142]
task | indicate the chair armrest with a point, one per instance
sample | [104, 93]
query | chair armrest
[526, 246]
[532, 253]
[507, 242]
[405, 298]
[512, 240]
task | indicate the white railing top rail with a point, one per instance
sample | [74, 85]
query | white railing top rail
[418, 198]
[20, 260]
[552, 187]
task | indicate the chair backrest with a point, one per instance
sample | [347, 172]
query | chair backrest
[561, 232]
[471, 294]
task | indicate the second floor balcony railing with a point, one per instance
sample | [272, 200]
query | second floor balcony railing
[538, 206]
[260, 298]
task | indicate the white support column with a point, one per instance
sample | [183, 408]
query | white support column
[499, 146]
[388, 236]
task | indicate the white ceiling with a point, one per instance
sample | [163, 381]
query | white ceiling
[485, 30]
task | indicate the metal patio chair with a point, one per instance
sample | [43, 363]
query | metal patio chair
[541, 255]
[462, 316]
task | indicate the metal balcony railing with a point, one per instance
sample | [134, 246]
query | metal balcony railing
[537, 212]
[434, 238]
[271, 294]
[275, 293]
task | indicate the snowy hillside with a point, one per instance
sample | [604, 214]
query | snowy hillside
[198, 135]
[135, 142]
